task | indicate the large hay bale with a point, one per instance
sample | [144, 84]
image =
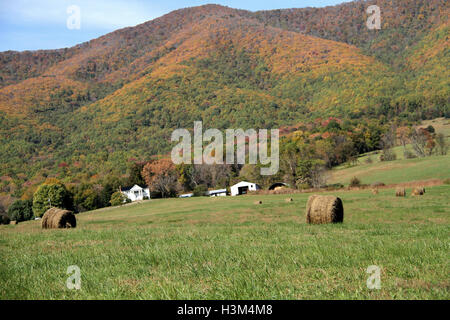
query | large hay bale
[4, 219]
[324, 209]
[289, 200]
[56, 218]
[419, 191]
[374, 191]
[400, 192]
[257, 202]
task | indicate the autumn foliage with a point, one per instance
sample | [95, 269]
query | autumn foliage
[80, 113]
[161, 176]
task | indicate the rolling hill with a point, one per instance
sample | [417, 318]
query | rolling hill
[100, 103]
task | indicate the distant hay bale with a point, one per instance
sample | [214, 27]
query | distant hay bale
[400, 192]
[257, 202]
[56, 218]
[324, 209]
[289, 200]
[419, 191]
[4, 219]
[374, 191]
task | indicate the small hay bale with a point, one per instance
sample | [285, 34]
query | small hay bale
[257, 202]
[4, 219]
[324, 209]
[400, 192]
[289, 200]
[374, 191]
[419, 191]
[56, 218]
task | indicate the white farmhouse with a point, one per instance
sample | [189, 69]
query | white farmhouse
[136, 193]
[243, 187]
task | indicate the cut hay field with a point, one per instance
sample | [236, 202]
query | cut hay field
[230, 248]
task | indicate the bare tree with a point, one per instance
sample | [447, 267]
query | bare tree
[442, 146]
[220, 174]
[388, 142]
[319, 176]
[418, 141]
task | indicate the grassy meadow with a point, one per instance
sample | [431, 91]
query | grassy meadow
[230, 248]
[391, 172]
[401, 170]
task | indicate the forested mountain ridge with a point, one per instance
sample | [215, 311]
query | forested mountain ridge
[83, 112]
[403, 24]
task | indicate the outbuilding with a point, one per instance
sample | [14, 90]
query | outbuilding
[187, 195]
[217, 193]
[278, 185]
[243, 187]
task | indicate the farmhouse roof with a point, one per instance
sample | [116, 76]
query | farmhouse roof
[129, 188]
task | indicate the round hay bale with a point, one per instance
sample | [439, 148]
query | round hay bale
[56, 218]
[419, 191]
[400, 192]
[324, 209]
[374, 191]
[257, 202]
[4, 219]
[289, 200]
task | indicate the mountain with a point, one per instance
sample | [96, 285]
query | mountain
[403, 24]
[88, 109]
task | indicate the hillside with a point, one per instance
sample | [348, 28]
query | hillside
[404, 23]
[401, 170]
[84, 111]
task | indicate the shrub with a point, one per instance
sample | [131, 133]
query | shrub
[200, 191]
[52, 194]
[303, 186]
[430, 129]
[335, 186]
[21, 210]
[369, 160]
[4, 219]
[355, 182]
[409, 155]
[388, 155]
[118, 199]
[447, 181]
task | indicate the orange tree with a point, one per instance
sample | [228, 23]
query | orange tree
[161, 177]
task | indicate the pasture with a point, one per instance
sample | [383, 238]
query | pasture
[230, 248]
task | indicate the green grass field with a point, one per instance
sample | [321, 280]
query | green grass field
[400, 170]
[229, 248]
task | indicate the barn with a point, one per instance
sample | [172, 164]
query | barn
[243, 187]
